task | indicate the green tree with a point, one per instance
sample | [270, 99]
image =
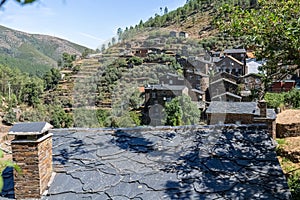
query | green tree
[292, 98]
[173, 112]
[135, 100]
[52, 78]
[22, 2]
[273, 27]
[181, 111]
[166, 10]
[59, 118]
[104, 117]
[119, 33]
[113, 41]
[10, 117]
[68, 60]
[32, 91]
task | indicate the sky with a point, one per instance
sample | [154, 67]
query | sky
[86, 22]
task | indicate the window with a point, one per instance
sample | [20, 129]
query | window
[153, 95]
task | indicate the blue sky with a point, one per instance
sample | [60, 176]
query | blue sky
[85, 22]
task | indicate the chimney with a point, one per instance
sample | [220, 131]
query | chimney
[32, 152]
[262, 104]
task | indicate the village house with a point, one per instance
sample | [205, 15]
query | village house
[191, 162]
[215, 56]
[224, 87]
[239, 54]
[231, 65]
[250, 83]
[155, 98]
[253, 65]
[171, 79]
[282, 86]
[220, 112]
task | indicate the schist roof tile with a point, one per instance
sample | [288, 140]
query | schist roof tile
[30, 128]
[233, 107]
[205, 162]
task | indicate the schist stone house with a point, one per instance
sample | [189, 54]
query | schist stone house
[155, 98]
[224, 87]
[220, 112]
[231, 65]
[191, 162]
[239, 54]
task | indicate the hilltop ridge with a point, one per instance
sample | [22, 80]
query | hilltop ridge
[33, 53]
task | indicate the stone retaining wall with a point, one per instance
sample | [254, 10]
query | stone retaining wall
[287, 130]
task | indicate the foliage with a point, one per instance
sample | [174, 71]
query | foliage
[135, 117]
[135, 100]
[67, 60]
[52, 78]
[181, 111]
[59, 118]
[173, 112]
[33, 91]
[290, 99]
[135, 60]
[294, 184]
[39, 113]
[103, 117]
[87, 118]
[274, 100]
[273, 27]
[10, 117]
[126, 119]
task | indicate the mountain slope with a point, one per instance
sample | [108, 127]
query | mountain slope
[33, 53]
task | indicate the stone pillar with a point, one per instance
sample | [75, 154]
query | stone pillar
[32, 152]
[262, 104]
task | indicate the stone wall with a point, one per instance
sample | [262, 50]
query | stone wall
[287, 130]
[27, 183]
[35, 160]
[270, 123]
[230, 118]
[45, 162]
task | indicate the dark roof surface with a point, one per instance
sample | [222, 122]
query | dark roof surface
[166, 87]
[32, 127]
[226, 94]
[180, 163]
[235, 51]
[233, 107]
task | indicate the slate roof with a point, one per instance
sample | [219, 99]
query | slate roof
[233, 107]
[30, 128]
[234, 51]
[226, 94]
[271, 114]
[223, 79]
[216, 162]
[165, 87]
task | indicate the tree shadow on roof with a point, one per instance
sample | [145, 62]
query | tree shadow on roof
[229, 164]
[76, 147]
[133, 142]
